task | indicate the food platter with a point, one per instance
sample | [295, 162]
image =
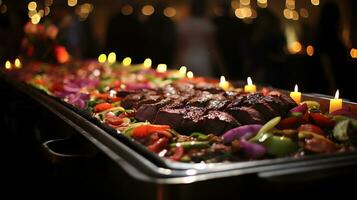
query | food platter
[142, 164]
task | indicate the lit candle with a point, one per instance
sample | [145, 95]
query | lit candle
[161, 68]
[336, 103]
[250, 87]
[189, 74]
[102, 58]
[17, 63]
[7, 65]
[183, 71]
[296, 95]
[147, 63]
[223, 83]
[112, 58]
[126, 61]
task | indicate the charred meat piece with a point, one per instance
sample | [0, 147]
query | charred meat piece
[147, 112]
[191, 119]
[208, 88]
[217, 122]
[184, 120]
[130, 99]
[200, 100]
[217, 104]
[148, 99]
[246, 115]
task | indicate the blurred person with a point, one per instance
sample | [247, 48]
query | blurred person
[161, 37]
[196, 46]
[267, 55]
[69, 30]
[232, 39]
[331, 56]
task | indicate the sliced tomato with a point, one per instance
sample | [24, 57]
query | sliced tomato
[147, 129]
[101, 107]
[178, 153]
[159, 145]
[311, 128]
[103, 96]
[322, 120]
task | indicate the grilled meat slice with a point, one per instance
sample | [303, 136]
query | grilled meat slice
[246, 115]
[147, 112]
[217, 122]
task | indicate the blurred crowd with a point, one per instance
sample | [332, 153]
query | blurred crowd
[214, 45]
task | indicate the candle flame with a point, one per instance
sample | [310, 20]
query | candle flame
[147, 63]
[249, 81]
[127, 61]
[7, 65]
[17, 63]
[189, 74]
[296, 89]
[223, 79]
[337, 94]
[161, 68]
[112, 58]
[102, 58]
[183, 70]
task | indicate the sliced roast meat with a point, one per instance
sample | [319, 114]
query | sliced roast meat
[246, 115]
[217, 122]
[170, 116]
[131, 99]
[216, 104]
[147, 112]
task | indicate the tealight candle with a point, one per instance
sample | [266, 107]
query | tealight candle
[223, 83]
[183, 71]
[189, 74]
[250, 87]
[102, 58]
[126, 61]
[147, 63]
[112, 58]
[296, 95]
[7, 65]
[336, 103]
[17, 63]
[161, 68]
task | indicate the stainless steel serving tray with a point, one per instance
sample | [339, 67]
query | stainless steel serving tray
[143, 165]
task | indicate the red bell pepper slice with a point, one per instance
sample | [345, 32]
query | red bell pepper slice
[147, 129]
[322, 120]
[102, 106]
[178, 153]
[311, 128]
[319, 146]
[159, 145]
